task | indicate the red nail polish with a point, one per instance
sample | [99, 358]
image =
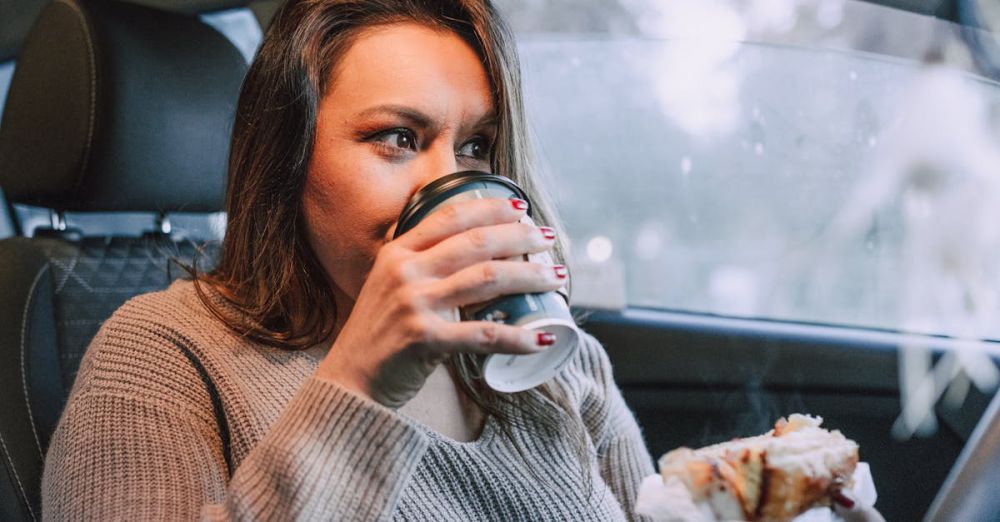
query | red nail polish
[548, 232]
[546, 339]
[842, 499]
[519, 204]
[560, 271]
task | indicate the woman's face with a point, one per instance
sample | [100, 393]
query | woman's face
[406, 104]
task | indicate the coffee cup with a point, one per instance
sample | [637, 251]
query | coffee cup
[545, 311]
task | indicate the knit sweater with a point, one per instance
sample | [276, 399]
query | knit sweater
[139, 438]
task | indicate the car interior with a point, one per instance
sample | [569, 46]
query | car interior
[113, 153]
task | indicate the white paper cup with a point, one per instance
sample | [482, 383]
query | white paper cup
[514, 373]
[543, 312]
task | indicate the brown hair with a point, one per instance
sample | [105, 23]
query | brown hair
[266, 268]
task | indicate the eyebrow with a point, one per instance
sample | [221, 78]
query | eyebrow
[416, 117]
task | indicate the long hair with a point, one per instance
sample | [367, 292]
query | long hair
[266, 268]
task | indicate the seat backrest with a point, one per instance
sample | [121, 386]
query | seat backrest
[113, 107]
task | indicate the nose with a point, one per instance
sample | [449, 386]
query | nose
[437, 163]
[434, 164]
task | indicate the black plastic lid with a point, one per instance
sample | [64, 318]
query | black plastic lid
[430, 196]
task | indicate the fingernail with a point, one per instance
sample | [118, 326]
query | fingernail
[548, 232]
[519, 204]
[560, 271]
[840, 498]
[546, 339]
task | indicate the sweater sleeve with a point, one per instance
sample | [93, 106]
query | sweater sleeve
[623, 458]
[139, 441]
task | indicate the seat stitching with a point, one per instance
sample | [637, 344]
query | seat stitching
[68, 272]
[24, 377]
[16, 477]
[93, 86]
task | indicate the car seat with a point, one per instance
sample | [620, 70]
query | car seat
[113, 108]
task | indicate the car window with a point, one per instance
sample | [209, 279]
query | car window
[6, 73]
[704, 154]
[239, 26]
[768, 159]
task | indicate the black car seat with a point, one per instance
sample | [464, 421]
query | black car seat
[113, 108]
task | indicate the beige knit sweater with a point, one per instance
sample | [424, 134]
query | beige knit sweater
[139, 439]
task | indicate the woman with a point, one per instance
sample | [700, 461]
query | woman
[317, 372]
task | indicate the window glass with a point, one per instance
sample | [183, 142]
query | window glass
[240, 27]
[821, 161]
[6, 74]
[7, 228]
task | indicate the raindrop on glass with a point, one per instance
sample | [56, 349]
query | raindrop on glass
[758, 138]
[599, 249]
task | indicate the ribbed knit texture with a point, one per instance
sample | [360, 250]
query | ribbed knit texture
[139, 439]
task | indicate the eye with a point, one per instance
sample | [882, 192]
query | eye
[477, 148]
[396, 139]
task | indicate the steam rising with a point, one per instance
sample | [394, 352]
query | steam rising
[940, 168]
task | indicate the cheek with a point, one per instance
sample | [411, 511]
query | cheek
[338, 236]
[350, 205]
[338, 218]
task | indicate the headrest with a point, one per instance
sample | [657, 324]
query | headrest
[118, 107]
